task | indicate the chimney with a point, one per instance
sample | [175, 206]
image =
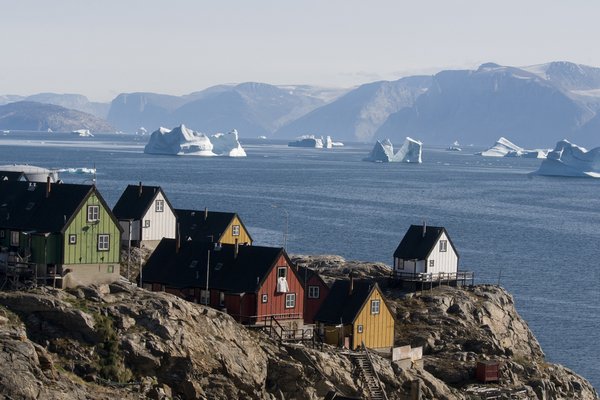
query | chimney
[48, 186]
[424, 228]
[177, 239]
[351, 289]
[140, 189]
[237, 248]
[205, 213]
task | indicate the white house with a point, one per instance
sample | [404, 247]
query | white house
[426, 249]
[145, 213]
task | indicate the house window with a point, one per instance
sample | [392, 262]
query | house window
[2, 234]
[146, 223]
[221, 298]
[159, 206]
[93, 213]
[103, 242]
[14, 238]
[443, 246]
[313, 292]
[72, 239]
[432, 263]
[290, 300]
[265, 298]
[359, 329]
[204, 296]
[281, 272]
[110, 269]
[375, 306]
[235, 230]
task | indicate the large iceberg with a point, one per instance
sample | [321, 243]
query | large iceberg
[383, 151]
[505, 148]
[568, 159]
[315, 142]
[184, 141]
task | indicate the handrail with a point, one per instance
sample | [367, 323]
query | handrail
[374, 371]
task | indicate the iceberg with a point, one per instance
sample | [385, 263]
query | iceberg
[568, 159]
[83, 133]
[32, 173]
[383, 151]
[505, 148]
[308, 141]
[184, 141]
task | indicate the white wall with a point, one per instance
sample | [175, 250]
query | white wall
[443, 261]
[162, 224]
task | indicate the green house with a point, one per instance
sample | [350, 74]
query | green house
[62, 235]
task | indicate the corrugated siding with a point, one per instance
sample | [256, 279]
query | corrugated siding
[276, 301]
[228, 238]
[85, 251]
[162, 224]
[378, 329]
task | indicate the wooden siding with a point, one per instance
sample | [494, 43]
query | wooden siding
[311, 306]
[228, 238]
[46, 250]
[444, 261]
[85, 251]
[162, 224]
[378, 329]
[275, 304]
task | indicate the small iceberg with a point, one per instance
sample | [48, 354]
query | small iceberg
[262, 137]
[505, 148]
[454, 147]
[83, 133]
[184, 141]
[141, 131]
[568, 159]
[383, 151]
[311, 141]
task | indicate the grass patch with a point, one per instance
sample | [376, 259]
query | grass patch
[111, 364]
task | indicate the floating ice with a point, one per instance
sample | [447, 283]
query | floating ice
[184, 141]
[383, 151]
[505, 148]
[308, 141]
[568, 159]
[83, 133]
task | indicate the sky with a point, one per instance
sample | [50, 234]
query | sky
[103, 48]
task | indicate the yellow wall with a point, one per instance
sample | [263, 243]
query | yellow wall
[332, 334]
[228, 237]
[378, 329]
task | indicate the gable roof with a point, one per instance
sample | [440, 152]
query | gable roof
[417, 245]
[24, 205]
[136, 200]
[308, 273]
[341, 306]
[187, 267]
[11, 175]
[193, 224]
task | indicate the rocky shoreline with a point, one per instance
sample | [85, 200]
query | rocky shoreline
[119, 341]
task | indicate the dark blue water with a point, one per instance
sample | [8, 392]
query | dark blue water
[540, 236]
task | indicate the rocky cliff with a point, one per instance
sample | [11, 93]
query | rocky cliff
[118, 341]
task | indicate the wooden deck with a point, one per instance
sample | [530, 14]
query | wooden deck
[420, 280]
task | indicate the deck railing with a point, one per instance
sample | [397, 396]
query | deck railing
[432, 277]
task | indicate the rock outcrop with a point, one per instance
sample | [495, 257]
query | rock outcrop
[119, 341]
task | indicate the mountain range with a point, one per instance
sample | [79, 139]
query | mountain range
[534, 106]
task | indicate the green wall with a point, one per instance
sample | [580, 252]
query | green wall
[85, 251]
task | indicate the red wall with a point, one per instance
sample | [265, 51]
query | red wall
[312, 305]
[276, 301]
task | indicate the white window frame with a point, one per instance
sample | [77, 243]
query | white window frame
[93, 213]
[221, 299]
[159, 206]
[235, 230]
[314, 292]
[103, 242]
[375, 306]
[72, 239]
[443, 246]
[15, 238]
[279, 275]
[290, 300]
[265, 298]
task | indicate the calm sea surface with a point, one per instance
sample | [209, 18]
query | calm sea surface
[538, 236]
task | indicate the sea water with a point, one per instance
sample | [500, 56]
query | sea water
[537, 236]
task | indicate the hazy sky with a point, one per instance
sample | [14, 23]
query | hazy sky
[103, 48]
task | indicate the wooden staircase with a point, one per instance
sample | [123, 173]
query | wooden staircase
[363, 363]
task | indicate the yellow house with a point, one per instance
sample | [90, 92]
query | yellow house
[213, 226]
[355, 312]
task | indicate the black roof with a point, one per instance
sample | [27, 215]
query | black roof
[24, 205]
[341, 306]
[193, 225]
[416, 245]
[11, 175]
[187, 268]
[308, 273]
[135, 201]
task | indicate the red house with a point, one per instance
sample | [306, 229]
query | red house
[315, 292]
[251, 283]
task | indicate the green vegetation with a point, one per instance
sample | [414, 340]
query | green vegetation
[110, 363]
